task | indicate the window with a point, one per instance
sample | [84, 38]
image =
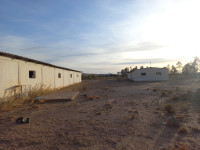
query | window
[59, 75]
[32, 74]
[77, 75]
[143, 74]
[70, 75]
[158, 73]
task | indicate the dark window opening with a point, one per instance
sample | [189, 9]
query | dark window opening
[77, 75]
[158, 73]
[59, 75]
[143, 74]
[32, 74]
[70, 75]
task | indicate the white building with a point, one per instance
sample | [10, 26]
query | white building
[149, 74]
[20, 72]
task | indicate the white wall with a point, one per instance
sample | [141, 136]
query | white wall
[59, 82]
[48, 76]
[71, 79]
[16, 72]
[24, 68]
[66, 78]
[8, 74]
[151, 74]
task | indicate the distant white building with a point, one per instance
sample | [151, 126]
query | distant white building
[149, 74]
[20, 73]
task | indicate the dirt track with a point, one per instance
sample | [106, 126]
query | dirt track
[109, 114]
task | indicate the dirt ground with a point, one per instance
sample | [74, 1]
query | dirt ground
[110, 115]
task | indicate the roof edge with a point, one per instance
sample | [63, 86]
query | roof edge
[33, 61]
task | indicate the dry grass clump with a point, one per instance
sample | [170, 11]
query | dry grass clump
[196, 129]
[169, 108]
[181, 147]
[108, 105]
[166, 92]
[98, 113]
[91, 97]
[154, 90]
[172, 122]
[37, 91]
[133, 116]
[13, 101]
[106, 88]
[175, 98]
[84, 88]
[182, 130]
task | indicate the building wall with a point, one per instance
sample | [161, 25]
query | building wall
[152, 74]
[71, 76]
[48, 76]
[59, 81]
[66, 78]
[17, 72]
[24, 68]
[8, 78]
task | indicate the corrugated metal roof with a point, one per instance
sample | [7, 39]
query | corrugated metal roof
[33, 61]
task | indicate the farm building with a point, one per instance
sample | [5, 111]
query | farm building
[149, 74]
[23, 73]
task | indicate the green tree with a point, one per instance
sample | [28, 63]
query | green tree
[169, 68]
[192, 67]
[141, 67]
[179, 66]
[173, 70]
[187, 69]
[196, 65]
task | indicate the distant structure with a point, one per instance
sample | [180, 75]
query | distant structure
[19, 74]
[149, 74]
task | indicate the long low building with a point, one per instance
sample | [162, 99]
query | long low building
[23, 73]
[149, 74]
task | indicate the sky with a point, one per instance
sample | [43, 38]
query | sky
[101, 36]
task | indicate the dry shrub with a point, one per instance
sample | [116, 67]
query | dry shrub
[180, 117]
[91, 97]
[182, 130]
[196, 129]
[13, 101]
[98, 113]
[182, 147]
[84, 88]
[133, 116]
[37, 91]
[81, 141]
[173, 123]
[108, 105]
[35, 106]
[175, 98]
[166, 92]
[169, 108]
[106, 88]
[154, 90]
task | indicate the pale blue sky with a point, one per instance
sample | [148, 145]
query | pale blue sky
[101, 36]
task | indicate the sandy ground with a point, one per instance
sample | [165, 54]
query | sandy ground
[108, 114]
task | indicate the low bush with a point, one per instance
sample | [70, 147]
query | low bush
[169, 108]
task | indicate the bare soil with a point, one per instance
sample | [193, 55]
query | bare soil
[108, 114]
